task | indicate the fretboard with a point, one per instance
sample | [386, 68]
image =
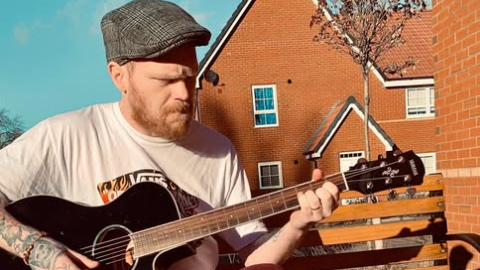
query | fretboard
[195, 227]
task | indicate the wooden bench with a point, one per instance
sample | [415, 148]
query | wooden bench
[407, 232]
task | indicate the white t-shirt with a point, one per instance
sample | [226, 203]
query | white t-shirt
[92, 155]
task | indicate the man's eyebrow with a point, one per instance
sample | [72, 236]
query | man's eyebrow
[185, 73]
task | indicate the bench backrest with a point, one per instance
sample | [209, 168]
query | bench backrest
[407, 232]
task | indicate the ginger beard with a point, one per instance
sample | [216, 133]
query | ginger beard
[170, 121]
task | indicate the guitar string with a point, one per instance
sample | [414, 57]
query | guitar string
[120, 244]
[107, 244]
[326, 178]
[127, 238]
[217, 224]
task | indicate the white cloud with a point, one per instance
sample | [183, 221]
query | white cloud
[23, 31]
[74, 12]
[100, 10]
[21, 34]
[201, 17]
[41, 25]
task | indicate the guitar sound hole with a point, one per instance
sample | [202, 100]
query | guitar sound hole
[113, 249]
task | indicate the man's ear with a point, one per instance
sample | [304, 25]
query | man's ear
[119, 75]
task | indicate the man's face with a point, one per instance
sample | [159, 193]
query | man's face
[160, 93]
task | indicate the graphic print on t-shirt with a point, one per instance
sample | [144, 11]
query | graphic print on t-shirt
[111, 190]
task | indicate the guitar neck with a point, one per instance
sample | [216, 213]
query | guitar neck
[195, 227]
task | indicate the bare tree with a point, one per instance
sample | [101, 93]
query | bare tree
[10, 128]
[366, 30]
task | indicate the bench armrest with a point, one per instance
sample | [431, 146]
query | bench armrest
[471, 238]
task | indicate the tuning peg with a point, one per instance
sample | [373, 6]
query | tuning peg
[373, 198]
[411, 192]
[380, 156]
[362, 163]
[362, 160]
[369, 185]
[397, 152]
[388, 181]
[392, 195]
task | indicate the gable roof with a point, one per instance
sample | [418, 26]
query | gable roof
[222, 39]
[417, 35]
[332, 123]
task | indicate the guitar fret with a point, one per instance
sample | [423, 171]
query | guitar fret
[191, 232]
[291, 201]
[232, 219]
[213, 223]
[278, 204]
[252, 209]
[283, 197]
[212, 227]
[242, 213]
[166, 236]
[223, 224]
[265, 206]
[181, 233]
[203, 228]
[210, 224]
[137, 243]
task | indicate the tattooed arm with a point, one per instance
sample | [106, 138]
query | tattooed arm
[314, 206]
[275, 247]
[47, 254]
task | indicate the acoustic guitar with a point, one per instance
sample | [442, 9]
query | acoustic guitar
[147, 215]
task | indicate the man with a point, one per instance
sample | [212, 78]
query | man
[93, 155]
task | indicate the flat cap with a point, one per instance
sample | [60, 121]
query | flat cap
[143, 29]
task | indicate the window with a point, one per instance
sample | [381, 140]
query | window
[348, 159]
[270, 175]
[265, 105]
[420, 102]
[429, 161]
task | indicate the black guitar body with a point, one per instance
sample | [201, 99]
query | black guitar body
[142, 206]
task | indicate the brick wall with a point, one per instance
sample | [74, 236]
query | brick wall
[272, 46]
[456, 41]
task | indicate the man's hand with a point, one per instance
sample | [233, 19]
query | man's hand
[315, 205]
[48, 254]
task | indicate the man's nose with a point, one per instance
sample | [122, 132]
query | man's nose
[181, 90]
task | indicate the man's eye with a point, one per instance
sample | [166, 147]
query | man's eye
[163, 81]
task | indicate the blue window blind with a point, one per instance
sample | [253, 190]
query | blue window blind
[265, 110]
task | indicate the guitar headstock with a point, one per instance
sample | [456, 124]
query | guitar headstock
[395, 170]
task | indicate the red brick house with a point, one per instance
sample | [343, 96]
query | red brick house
[456, 50]
[276, 88]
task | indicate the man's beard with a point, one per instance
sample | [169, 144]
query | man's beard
[161, 123]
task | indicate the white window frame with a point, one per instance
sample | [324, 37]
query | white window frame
[275, 104]
[362, 155]
[434, 156]
[428, 103]
[280, 174]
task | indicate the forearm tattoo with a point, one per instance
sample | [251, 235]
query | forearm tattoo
[46, 253]
[276, 235]
[273, 236]
[17, 236]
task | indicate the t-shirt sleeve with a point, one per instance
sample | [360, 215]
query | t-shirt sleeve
[239, 192]
[23, 162]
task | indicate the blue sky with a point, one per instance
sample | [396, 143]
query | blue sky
[53, 58]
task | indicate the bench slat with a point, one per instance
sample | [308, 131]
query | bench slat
[387, 209]
[365, 211]
[358, 259]
[442, 267]
[362, 233]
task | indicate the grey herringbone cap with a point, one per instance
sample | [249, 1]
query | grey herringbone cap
[147, 29]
